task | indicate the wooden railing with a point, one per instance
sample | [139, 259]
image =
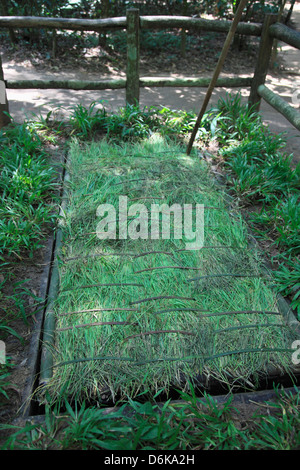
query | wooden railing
[134, 23]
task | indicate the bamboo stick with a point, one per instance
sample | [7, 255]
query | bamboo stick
[133, 57]
[167, 267]
[120, 83]
[201, 82]
[88, 286]
[246, 351]
[179, 310]
[157, 332]
[147, 22]
[161, 297]
[241, 312]
[49, 316]
[217, 71]
[256, 325]
[94, 310]
[225, 275]
[99, 323]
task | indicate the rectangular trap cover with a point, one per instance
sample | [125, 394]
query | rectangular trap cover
[138, 308]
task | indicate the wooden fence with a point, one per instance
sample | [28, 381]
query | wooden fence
[270, 30]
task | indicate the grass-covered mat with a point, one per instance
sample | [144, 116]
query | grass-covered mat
[141, 315]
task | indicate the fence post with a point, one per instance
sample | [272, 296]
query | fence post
[263, 60]
[133, 57]
[4, 119]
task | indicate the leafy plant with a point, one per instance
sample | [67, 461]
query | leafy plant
[27, 183]
[132, 123]
[287, 279]
[259, 178]
[260, 171]
[280, 430]
[87, 120]
[238, 121]
[281, 219]
[176, 122]
[192, 424]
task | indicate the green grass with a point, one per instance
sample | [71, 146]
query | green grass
[167, 328]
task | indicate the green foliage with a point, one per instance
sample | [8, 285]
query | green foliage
[175, 122]
[288, 283]
[282, 220]
[238, 121]
[48, 128]
[192, 424]
[86, 121]
[222, 8]
[132, 122]
[260, 176]
[280, 430]
[151, 41]
[27, 183]
[259, 171]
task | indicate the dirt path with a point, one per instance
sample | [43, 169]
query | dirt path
[286, 83]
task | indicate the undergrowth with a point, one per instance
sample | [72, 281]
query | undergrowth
[26, 191]
[190, 425]
[260, 173]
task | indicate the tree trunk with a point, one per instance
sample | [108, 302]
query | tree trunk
[104, 14]
[275, 45]
[4, 11]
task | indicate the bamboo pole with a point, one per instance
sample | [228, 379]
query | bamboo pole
[285, 34]
[133, 57]
[67, 84]
[217, 71]
[274, 100]
[49, 317]
[120, 83]
[200, 82]
[198, 24]
[147, 22]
